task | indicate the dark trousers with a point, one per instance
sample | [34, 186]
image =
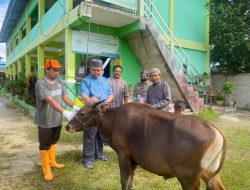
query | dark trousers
[48, 137]
[92, 144]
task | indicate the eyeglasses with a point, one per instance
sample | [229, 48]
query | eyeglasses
[56, 70]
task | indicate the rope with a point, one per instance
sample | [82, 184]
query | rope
[87, 55]
[70, 89]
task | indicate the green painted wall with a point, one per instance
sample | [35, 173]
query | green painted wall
[34, 33]
[32, 5]
[189, 23]
[198, 59]
[53, 15]
[163, 8]
[131, 65]
[97, 28]
[190, 20]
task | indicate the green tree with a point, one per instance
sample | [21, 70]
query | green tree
[230, 36]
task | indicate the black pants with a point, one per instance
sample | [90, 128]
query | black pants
[48, 137]
[92, 145]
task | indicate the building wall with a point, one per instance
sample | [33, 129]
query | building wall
[198, 59]
[189, 24]
[53, 15]
[241, 87]
[190, 20]
[130, 63]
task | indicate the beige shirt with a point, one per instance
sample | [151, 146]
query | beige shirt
[120, 90]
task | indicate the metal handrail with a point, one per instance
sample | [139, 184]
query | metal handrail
[179, 55]
[171, 34]
[164, 34]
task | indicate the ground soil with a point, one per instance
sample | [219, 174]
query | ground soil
[19, 154]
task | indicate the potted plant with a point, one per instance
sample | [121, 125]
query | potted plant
[219, 99]
[227, 89]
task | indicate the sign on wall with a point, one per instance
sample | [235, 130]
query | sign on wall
[130, 4]
[94, 43]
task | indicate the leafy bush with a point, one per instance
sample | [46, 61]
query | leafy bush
[8, 86]
[24, 88]
[29, 92]
[209, 115]
[228, 87]
[19, 86]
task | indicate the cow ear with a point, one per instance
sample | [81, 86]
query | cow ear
[102, 107]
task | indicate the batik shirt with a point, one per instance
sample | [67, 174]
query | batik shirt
[120, 91]
[159, 96]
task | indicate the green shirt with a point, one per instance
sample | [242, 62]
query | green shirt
[46, 116]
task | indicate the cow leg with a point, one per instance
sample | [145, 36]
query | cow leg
[214, 183]
[131, 185]
[126, 170]
[190, 183]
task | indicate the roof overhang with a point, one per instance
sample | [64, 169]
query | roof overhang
[14, 12]
[111, 17]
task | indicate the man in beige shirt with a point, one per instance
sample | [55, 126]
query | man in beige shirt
[119, 88]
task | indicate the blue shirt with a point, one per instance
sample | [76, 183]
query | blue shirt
[98, 87]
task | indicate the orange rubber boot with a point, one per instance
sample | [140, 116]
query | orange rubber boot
[52, 158]
[44, 154]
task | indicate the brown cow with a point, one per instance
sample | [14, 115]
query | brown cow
[166, 144]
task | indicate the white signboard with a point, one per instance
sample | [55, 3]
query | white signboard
[96, 44]
[131, 4]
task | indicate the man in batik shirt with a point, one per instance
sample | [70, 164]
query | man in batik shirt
[119, 88]
[159, 93]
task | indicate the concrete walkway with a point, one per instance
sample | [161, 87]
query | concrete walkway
[17, 154]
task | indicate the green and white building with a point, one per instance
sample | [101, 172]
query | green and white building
[169, 34]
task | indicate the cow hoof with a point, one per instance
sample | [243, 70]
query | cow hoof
[132, 187]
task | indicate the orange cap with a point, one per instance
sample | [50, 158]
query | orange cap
[52, 63]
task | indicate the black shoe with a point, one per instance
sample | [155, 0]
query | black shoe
[103, 158]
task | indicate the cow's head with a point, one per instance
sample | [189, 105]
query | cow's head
[86, 117]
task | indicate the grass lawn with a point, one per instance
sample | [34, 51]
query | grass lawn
[105, 176]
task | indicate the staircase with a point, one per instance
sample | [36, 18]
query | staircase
[153, 49]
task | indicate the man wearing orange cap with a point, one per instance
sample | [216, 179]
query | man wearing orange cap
[50, 93]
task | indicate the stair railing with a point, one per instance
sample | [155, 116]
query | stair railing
[182, 58]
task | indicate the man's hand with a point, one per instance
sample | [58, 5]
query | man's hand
[76, 108]
[107, 102]
[69, 115]
[93, 100]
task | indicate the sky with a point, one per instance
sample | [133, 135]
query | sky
[3, 9]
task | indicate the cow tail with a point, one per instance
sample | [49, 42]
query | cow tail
[224, 150]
